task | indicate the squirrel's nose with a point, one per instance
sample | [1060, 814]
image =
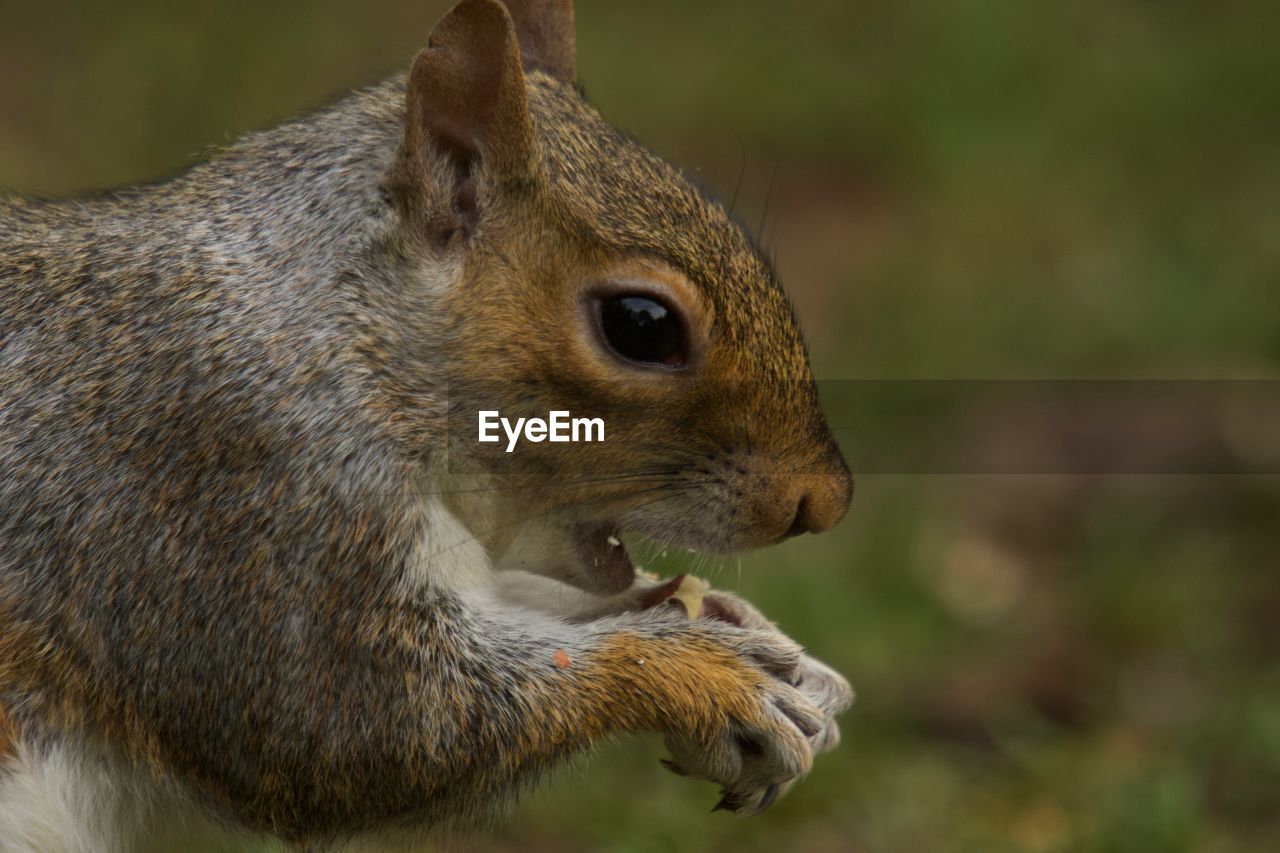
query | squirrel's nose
[823, 500]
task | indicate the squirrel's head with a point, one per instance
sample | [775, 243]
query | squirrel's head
[575, 271]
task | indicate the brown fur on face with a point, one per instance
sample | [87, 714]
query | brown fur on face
[729, 453]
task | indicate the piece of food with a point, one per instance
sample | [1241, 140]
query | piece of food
[688, 590]
[690, 593]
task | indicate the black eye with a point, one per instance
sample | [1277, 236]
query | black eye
[642, 329]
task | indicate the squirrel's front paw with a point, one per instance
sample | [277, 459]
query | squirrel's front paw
[766, 741]
[820, 684]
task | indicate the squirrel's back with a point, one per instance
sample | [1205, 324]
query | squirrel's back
[222, 282]
[182, 390]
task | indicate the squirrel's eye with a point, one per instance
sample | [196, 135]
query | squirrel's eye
[642, 329]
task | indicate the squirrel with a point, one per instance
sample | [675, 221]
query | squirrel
[254, 565]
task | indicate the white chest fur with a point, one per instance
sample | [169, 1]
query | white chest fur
[73, 798]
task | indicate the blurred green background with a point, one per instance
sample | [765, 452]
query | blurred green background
[956, 190]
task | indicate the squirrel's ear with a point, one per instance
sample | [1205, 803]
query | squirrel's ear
[546, 36]
[466, 103]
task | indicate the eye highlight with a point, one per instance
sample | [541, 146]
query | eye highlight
[643, 329]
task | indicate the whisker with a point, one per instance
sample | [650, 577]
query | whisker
[768, 199]
[742, 173]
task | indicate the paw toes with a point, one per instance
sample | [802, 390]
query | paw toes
[807, 718]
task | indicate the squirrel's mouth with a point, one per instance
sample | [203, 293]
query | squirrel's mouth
[606, 567]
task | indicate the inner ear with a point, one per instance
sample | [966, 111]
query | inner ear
[463, 156]
[466, 105]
